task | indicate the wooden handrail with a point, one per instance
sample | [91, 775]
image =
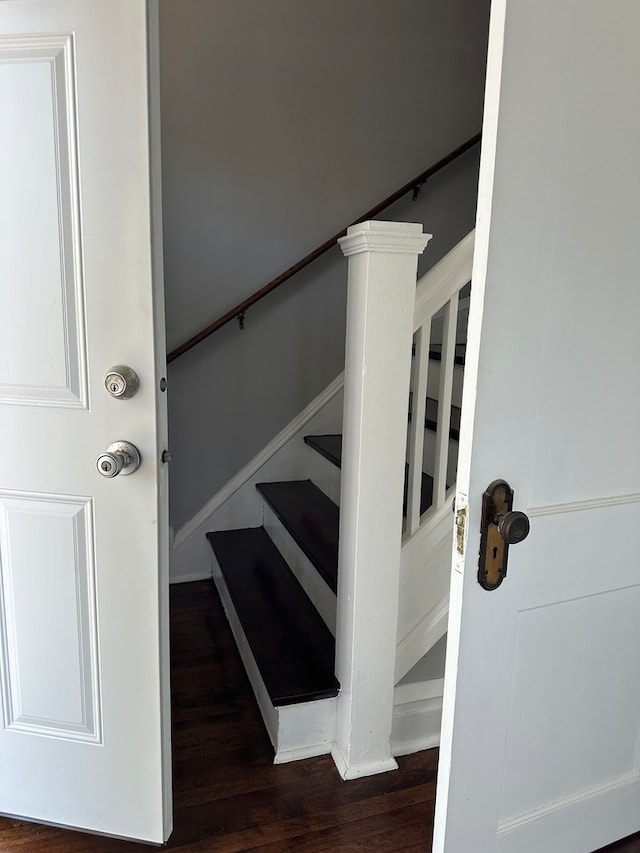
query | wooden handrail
[239, 310]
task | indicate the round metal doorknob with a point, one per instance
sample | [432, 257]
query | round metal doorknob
[121, 457]
[513, 527]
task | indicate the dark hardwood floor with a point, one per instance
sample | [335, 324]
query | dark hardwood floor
[229, 797]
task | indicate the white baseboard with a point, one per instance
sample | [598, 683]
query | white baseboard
[416, 726]
[358, 771]
[284, 756]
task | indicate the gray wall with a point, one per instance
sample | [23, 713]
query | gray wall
[282, 121]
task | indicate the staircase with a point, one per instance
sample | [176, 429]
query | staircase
[276, 551]
[278, 585]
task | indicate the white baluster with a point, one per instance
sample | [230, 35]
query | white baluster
[447, 366]
[415, 445]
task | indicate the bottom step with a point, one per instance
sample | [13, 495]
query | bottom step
[260, 596]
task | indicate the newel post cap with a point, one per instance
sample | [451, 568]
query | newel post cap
[404, 238]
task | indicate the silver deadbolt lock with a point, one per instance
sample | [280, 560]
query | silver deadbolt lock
[121, 457]
[121, 382]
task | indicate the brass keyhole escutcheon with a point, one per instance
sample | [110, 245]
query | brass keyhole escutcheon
[501, 526]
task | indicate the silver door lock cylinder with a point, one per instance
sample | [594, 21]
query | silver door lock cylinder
[121, 382]
[121, 457]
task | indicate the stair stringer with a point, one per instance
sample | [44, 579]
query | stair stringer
[296, 731]
[238, 504]
[425, 569]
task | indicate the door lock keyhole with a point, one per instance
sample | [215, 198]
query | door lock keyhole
[121, 457]
[121, 382]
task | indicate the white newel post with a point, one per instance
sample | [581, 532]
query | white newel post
[383, 260]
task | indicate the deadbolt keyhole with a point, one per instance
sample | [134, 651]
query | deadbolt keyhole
[121, 382]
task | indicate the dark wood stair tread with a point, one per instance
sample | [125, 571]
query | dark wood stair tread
[311, 518]
[293, 648]
[431, 417]
[330, 446]
[435, 353]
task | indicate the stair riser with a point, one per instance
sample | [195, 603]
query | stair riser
[321, 596]
[296, 731]
[305, 730]
[324, 474]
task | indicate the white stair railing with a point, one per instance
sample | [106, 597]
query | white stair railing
[426, 549]
[437, 293]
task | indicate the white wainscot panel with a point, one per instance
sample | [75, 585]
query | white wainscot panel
[48, 624]
[43, 357]
[582, 741]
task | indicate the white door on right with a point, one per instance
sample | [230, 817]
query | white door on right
[541, 725]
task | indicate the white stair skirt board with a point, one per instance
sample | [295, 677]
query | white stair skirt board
[423, 601]
[238, 504]
[296, 731]
[322, 597]
[324, 474]
[417, 708]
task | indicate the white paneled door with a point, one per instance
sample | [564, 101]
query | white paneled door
[84, 718]
[541, 727]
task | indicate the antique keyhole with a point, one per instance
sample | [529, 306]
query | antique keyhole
[500, 527]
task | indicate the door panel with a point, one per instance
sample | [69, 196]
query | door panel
[84, 733]
[39, 150]
[50, 677]
[541, 735]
